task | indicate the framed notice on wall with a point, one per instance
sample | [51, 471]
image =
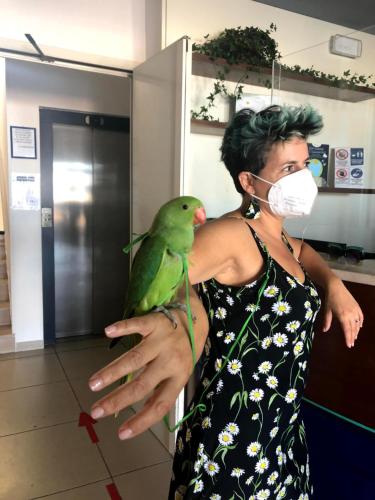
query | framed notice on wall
[23, 142]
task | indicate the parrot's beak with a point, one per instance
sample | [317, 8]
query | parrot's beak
[199, 216]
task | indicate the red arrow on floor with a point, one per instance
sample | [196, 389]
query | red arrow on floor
[112, 490]
[85, 420]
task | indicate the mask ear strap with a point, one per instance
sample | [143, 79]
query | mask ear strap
[261, 199]
[261, 178]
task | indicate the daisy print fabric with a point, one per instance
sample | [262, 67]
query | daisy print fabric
[248, 442]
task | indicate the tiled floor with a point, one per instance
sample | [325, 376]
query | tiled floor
[43, 451]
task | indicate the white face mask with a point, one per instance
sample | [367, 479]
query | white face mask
[292, 195]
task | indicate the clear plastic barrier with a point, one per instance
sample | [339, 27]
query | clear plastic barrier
[343, 153]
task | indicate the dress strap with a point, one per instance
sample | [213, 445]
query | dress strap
[285, 240]
[260, 244]
[258, 241]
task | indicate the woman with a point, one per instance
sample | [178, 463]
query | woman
[244, 437]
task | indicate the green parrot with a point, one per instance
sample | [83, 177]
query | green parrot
[157, 272]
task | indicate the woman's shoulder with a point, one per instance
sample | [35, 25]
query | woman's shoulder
[219, 248]
[225, 228]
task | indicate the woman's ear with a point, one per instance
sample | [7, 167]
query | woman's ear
[247, 182]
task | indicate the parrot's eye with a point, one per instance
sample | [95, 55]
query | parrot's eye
[185, 207]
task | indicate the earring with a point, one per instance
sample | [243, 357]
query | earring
[253, 211]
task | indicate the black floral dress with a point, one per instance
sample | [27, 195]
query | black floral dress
[245, 438]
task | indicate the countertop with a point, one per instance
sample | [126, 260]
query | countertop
[363, 272]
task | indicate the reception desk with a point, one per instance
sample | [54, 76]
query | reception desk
[342, 379]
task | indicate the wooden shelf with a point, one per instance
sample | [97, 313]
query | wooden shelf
[290, 82]
[207, 127]
[345, 190]
[204, 66]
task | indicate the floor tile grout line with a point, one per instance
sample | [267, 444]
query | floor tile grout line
[141, 468]
[34, 354]
[82, 410]
[162, 444]
[80, 349]
[38, 428]
[117, 476]
[33, 385]
[70, 489]
[4, 356]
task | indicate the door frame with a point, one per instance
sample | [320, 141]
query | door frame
[48, 117]
[161, 139]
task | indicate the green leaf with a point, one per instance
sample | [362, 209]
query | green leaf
[271, 399]
[243, 340]
[245, 395]
[225, 451]
[248, 350]
[236, 395]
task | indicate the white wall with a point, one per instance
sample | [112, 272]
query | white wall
[105, 32]
[1, 216]
[295, 33]
[302, 40]
[29, 86]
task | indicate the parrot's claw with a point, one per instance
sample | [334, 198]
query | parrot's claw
[175, 305]
[178, 305]
[170, 316]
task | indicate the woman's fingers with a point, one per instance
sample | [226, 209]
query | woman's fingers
[347, 327]
[356, 322]
[159, 405]
[131, 392]
[137, 357]
[327, 320]
[345, 308]
[129, 362]
[351, 328]
[137, 324]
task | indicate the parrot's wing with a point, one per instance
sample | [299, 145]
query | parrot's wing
[155, 277]
[165, 285]
[145, 267]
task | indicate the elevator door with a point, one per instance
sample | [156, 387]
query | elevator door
[85, 165]
[73, 229]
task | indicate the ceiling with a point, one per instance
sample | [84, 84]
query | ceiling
[358, 14]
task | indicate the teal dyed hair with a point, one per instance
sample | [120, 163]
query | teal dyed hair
[250, 136]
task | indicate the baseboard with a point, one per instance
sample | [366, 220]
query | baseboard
[29, 345]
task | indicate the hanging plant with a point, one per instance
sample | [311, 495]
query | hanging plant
[256, 49]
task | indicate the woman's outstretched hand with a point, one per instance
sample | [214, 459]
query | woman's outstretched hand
[341, 304]
[165, 356]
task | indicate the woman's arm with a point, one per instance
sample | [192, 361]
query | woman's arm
[316, 266]
[339, 301]
[164, 355]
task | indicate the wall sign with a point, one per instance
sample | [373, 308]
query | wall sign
[349, 167]
[25, 191]
[23, 142]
